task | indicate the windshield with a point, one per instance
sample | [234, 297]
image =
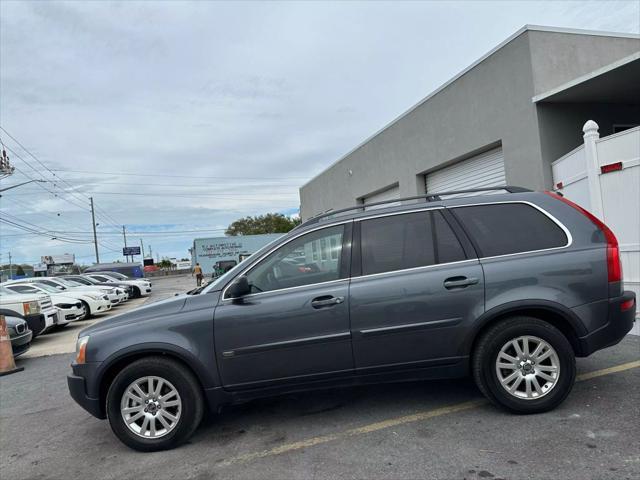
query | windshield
[117, 276]
[83, 281]
[64, 282]
[73, 283]
[45, 287]
[8, 291]
[222, 280]
[110, 277]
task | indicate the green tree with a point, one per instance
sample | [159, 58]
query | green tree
[165, 263]
[20, 271]
[269, 223]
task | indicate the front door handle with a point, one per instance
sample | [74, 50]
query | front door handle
[459, 282]
[326, 301]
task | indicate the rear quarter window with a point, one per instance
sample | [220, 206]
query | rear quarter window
[505, 228]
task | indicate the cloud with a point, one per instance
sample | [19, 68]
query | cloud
[227, 108]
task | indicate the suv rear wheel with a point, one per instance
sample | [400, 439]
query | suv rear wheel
[525, 365]
[154, 404]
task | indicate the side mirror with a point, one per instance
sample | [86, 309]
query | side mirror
[240, 287]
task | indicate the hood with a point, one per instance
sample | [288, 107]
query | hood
[62, 298]
[162, 308]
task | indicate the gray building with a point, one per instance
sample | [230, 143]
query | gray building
[503, 120]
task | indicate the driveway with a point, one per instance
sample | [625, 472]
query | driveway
[442, 430]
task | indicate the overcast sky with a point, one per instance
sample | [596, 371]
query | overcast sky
[211, 111]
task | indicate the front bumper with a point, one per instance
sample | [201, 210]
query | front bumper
[21, 343]
[620, 322]
[37, 323]
[78, 392]
[67, 315]
[50, 318]
[99, 306]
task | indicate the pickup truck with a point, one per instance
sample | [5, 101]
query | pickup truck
[37, 310]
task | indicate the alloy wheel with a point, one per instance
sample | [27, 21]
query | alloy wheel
[528, 367]
[151, 407]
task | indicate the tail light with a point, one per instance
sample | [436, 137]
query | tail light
[614, 265]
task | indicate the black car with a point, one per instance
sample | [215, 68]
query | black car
[19, 333]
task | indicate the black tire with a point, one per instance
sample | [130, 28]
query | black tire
[190, 394]
[136, 292]
[488, 348]
[88, 313]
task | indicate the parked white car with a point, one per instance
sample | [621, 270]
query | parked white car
[106, 293]
[70, 305]
[94, 300]
[38, 310]
[116, 295]
[90, 282]
[141, 287]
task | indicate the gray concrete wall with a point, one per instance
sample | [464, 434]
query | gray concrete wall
[558, 58]
[489, 104]
[561, 126]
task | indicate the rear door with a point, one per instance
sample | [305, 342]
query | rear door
[419, 289]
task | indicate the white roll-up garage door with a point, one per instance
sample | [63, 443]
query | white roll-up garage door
[388, 194]
[483, 170]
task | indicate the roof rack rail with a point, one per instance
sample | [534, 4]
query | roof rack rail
[429, 197]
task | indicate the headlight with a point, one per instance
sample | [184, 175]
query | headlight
[30, 308]
[96, 297]
[64, 305]
[81, 350]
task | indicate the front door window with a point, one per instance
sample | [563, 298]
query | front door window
[297, 263]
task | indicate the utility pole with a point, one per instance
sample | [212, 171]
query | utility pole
[124, 234]
[142, 247]
[10, 266]
[95, 236]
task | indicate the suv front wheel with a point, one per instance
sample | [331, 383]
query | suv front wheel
[154, 404]
[525, 365]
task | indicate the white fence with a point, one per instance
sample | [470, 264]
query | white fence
[603, 176]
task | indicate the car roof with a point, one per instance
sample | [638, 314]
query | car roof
[421, 202]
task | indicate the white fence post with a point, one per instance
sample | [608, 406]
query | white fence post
[591, 136]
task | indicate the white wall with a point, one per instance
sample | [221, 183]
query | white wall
[615, 196]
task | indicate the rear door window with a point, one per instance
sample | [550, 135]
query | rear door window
[398, 242]
[505, 228]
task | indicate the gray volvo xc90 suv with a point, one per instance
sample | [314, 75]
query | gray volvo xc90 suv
[508, 287]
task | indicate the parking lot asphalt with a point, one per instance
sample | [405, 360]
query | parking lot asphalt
[434, 430]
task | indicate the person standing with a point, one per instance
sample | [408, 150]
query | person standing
[197, 271]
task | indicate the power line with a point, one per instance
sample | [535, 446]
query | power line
[171, 175]
[107, 219]
[41, 233]
[169, 232]
[187, 194]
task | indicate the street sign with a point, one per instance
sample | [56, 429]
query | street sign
[131, 251]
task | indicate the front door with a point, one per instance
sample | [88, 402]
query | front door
[294, 326]
[417, 292]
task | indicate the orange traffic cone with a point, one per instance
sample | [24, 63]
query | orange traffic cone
[7, 363]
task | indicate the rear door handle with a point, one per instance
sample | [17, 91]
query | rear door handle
[459, 282]
[326, 301]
